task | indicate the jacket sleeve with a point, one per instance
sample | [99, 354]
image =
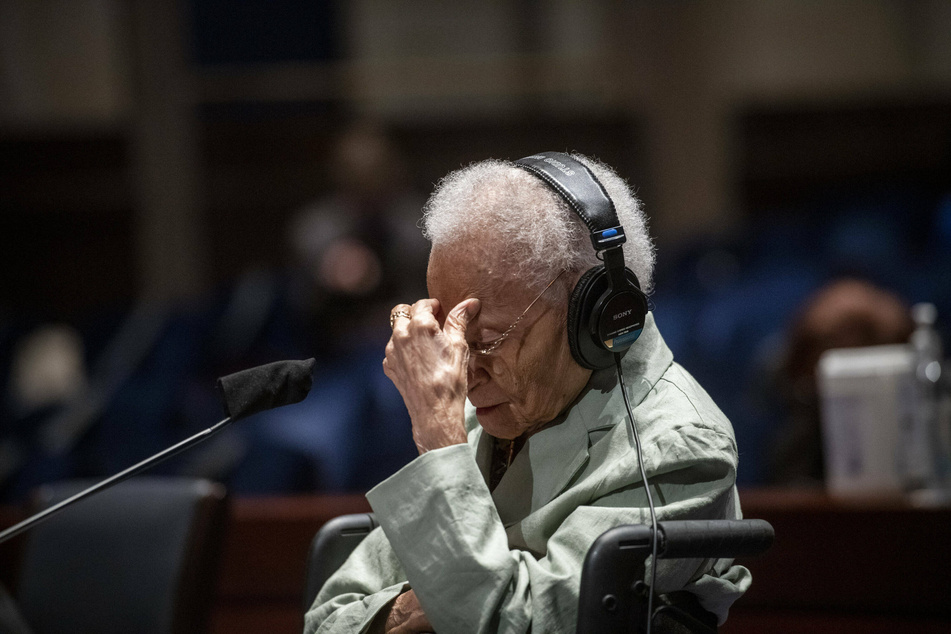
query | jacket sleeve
[443, 527]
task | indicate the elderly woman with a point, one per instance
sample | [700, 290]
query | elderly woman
[526, 452]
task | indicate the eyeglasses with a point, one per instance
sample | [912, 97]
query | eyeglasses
[488, 347]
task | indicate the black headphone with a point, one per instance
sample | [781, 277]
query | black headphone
[607, 309]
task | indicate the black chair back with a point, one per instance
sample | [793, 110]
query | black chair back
[613, 594]
[140, 557]
[331, 546]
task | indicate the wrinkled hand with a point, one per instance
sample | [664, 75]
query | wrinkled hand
[428, 365]
[406, 616]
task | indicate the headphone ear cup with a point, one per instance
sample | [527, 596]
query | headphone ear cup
[590, 295]
[589, 289]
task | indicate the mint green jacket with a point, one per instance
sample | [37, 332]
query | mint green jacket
[510, 560]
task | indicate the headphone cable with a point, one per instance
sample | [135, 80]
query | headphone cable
[650, 499]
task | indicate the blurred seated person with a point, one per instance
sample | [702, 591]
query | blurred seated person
[846, 313]
[47, 374]
[525, 455]
[355, 251]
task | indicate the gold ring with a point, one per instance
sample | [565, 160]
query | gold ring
[398, 313]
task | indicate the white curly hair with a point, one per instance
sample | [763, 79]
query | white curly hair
[532, 229]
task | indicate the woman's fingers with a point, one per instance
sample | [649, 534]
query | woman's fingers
[458, 320]
[427, 364]
[399, 313]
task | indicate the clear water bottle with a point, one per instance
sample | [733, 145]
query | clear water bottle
[931, 434]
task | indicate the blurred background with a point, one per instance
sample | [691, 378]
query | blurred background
[188, 188]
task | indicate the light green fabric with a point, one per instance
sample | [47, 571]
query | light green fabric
[510, 560]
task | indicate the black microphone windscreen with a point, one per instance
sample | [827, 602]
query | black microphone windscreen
[264, 387]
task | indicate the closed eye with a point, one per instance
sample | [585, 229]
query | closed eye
[486, 347]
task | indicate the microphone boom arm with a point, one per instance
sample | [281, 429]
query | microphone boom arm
[148, 463]
[243, 393]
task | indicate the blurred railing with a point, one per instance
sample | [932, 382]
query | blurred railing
[869, 567]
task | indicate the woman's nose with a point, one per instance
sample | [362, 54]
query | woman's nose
[475, 373]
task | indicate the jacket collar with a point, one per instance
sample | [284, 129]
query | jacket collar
[555, 454]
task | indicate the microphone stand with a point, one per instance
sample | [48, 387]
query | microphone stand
[148, 463]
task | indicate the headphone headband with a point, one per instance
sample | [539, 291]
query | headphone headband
[575, 183]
